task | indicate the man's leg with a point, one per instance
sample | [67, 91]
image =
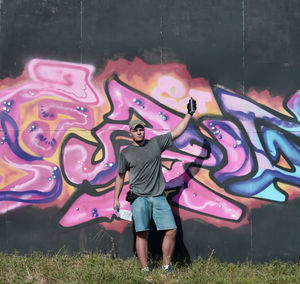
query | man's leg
[168, 245]
[141, 244]
[141, 213]
[164, 221]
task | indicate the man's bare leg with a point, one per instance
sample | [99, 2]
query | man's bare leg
[168, 245]
[141, 244]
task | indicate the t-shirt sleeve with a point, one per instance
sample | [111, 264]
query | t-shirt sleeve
[122, 164]
[164, 141]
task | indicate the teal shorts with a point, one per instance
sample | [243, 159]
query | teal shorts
[157, 207]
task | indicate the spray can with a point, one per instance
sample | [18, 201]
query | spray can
[192, 104]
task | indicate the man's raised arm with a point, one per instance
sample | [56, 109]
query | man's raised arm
[182, 125]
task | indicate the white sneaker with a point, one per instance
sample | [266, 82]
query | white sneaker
[145, 269]
[167, 268]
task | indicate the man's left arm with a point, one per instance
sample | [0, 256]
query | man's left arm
[182, 125]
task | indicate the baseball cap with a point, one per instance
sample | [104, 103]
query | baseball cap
[134, 123]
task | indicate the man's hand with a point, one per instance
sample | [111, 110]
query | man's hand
[191, 106]
[116, 205]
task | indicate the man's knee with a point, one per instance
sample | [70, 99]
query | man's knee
[142, 235]
[171, 233]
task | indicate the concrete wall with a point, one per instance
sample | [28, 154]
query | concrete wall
[73, 73]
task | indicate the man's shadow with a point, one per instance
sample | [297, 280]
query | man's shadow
[155, 237]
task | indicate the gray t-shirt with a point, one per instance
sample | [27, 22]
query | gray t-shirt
[144, 165]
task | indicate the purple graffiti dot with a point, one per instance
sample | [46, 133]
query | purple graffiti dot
[195, 194]
[77, 209]
[238, 142]
[42, 138]
[94, 212]
[164, 118]
[220, 136]
[134, 100]
[142, 107]
[234, 146]
[49, 178]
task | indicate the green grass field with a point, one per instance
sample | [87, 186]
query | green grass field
[95, 268]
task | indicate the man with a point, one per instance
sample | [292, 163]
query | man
[143, 161]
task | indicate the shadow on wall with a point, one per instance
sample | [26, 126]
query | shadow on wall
[190, 171]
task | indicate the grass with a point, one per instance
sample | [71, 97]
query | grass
[95, 268]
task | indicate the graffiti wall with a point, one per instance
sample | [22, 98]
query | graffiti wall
[232, 178]
[62, 130]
